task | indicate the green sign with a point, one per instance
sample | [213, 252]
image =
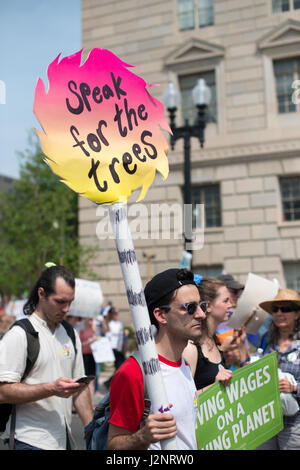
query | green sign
[246, 413]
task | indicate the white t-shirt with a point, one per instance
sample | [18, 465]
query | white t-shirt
[115, 334]
[182, 393]
[42, 423]
[127, 399]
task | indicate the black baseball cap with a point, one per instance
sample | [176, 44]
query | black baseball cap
[166, 282]
[230, 282]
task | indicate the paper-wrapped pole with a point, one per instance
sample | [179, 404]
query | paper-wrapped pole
[139, 312]
[102, 135]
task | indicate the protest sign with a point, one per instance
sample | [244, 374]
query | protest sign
[88, 299]
[102, 350]
[257, 289]
[101, 127]
[102, 135]
[244, 414]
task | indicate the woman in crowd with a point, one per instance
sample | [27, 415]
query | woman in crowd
[115, 334]
[207, 359]
[284, 338]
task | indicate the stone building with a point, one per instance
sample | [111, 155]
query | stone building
[6, 183]
[248, 173]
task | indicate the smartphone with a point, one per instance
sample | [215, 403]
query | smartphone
[86, 379]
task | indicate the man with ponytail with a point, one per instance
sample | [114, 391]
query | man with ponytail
[42, 402]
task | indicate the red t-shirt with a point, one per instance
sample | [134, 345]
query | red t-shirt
[126, 409]
[86, 334]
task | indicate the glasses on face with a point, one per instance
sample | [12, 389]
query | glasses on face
[284, 308]
[189, 307]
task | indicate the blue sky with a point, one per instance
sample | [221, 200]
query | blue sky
[32, 34]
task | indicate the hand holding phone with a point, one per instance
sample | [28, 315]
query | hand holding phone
[86, 379]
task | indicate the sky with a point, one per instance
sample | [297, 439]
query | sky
[32, 34]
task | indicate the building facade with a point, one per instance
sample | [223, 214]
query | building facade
[248, 173]
[6, 183]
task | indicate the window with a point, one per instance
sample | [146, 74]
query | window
[186, 84]
[205, 13]
[195, 12]
[208, 271]
[279, 6]
[186, 14]
[208, 195]
[292, 275]
[290, 196]
[286, 72]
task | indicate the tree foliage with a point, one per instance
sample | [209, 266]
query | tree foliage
[38, 224]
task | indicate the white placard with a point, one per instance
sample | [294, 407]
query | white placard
[18, 308]
[88, 299]
[257, 290]
[102, 350]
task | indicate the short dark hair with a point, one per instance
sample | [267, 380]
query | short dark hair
[47, 281]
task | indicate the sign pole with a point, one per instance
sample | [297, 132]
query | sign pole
[139, 312]
[106, 160]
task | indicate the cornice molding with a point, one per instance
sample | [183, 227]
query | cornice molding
[288, 33]
[193, 50]
[242, 154]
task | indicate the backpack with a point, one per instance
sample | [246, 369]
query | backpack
[96, 431]
[33, 348]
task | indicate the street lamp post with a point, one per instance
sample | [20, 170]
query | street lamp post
[201, 98]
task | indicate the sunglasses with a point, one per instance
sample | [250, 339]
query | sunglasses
[189, 307]
[284, 309]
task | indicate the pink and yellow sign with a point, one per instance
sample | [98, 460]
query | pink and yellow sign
[102, 130]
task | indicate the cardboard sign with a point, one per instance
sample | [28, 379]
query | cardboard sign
[246, 413]
[88, 299]
[257, 289]
[101, 128]
[102, 350]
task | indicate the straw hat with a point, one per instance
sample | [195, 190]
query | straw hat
[283, 295]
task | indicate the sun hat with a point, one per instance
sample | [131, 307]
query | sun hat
[283, 295]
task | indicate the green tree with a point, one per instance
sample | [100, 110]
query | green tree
[38, 224]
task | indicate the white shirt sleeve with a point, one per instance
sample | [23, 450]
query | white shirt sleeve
[13, 354]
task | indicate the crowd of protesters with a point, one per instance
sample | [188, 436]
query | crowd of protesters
[195, 344]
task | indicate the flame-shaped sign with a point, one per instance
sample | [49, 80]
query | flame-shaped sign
[101, 128]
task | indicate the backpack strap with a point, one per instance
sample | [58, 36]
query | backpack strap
[137, 356]
[33, 344]
[33, 348]
[70, 332]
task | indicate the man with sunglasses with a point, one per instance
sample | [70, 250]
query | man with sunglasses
[176, 311]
